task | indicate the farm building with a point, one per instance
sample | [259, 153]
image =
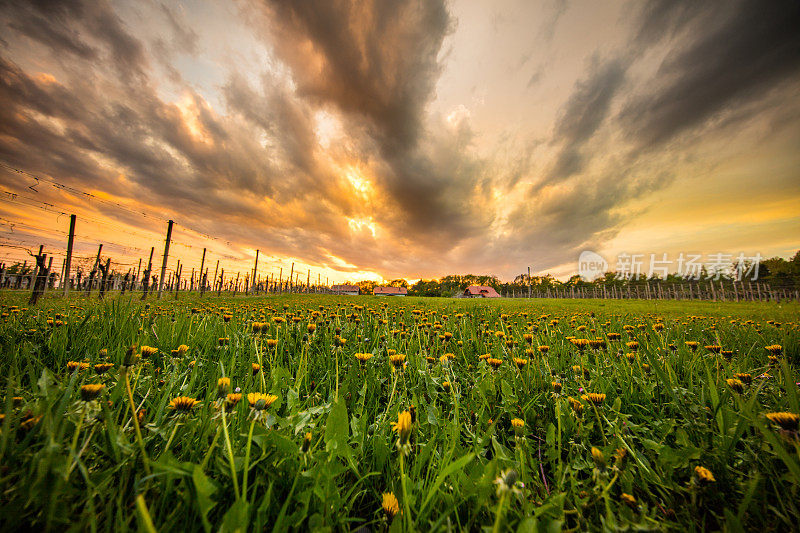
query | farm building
[478, 291]
[349, 290]
[390, 291]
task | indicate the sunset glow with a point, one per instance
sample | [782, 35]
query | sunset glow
[401, 139]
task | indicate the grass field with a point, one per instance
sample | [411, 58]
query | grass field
[299, 412]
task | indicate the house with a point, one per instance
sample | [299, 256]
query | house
[349, 290]
[478, 291]
[390, 291]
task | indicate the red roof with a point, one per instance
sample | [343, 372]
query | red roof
[481, 291]
[389, 291]
[345, 288]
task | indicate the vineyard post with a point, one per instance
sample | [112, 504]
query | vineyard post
[63, 264]
[236, 284]
[280, 282]
[37, 284]
[529, 282]
[253, 277]
[178, 272]
[221, 279]
[291, 279]
[164, 262]
[47, 275]
[93, 272]
[146, 274]
[200, 275]
[70, 241]
[216, 268]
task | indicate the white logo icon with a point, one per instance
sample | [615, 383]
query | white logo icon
[591, 265]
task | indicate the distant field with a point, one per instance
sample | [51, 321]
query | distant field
[523, 415]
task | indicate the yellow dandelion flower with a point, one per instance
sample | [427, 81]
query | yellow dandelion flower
[232, 399]
[363, 357]
[774, 349]
[576, 405]
[260, 401]
[397, 360]
[627, 499]
[390, 505]
[72, 366]
[223, 386]
[598, 457]
[183, 404]
[704, 474]
[736, 385]
[149, 351]
[102, 368]
[403, 426]
[596, 398]
[787, 421]
[90, 392]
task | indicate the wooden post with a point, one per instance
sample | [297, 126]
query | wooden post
[70, 241]
[178, 272]
[93, 271]
[166, 257]
[280, 282]
[146, 274]
[216, 268]
[236, 284]
[104, 277]
[41, 276]
[291, 278]
[253, 277]
[47, 277]
[221, 279]
[529, 282]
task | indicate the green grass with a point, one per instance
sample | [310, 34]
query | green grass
[67, 463]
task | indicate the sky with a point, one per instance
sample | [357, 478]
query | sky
[384, 139]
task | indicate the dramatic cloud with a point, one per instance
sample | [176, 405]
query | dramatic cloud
[370, 138]
[738, 53]
[583, 113]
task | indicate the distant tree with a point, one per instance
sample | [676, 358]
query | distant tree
[426, 288]
[366, 286]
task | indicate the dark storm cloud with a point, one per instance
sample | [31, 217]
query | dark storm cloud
[373, 58]
[734, 53]
[584, 112]
[377, 61]
[88, 124]
[64, 26]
